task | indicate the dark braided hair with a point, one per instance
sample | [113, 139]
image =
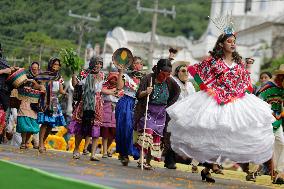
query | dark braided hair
[162, 63]
[267, 73]
[218, 52]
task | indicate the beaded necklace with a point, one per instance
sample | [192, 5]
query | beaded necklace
[160, 93]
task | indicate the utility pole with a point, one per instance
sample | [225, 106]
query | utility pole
[155, 12]
[82, 26]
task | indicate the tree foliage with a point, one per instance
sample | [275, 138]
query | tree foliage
[273, 64]
[39, 29]
[71, 59]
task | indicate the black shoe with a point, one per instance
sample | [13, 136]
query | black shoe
[251, 177]
[194, 169]
[278, 181]
[124, 161]
[207, 177]
[170, 166]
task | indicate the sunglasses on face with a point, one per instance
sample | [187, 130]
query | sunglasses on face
[231, 41]
[183, 70]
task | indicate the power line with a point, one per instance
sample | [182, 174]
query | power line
[82, 26]
[155, 12]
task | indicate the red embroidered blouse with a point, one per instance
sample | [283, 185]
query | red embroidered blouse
[225, 84]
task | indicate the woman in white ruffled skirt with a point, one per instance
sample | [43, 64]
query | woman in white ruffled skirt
[223, 120]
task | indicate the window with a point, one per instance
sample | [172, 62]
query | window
[263, 5]
[248, 4]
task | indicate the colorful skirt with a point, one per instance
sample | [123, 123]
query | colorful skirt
[240, 131]
[108, 115]
[27, 125]
[76, 128]
[124, 125]
[54, 120]
[155, 124]
[2, 120]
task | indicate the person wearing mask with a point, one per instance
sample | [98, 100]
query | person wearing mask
[163, 91]
[181, 77]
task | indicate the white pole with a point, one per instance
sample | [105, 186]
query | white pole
[144, 129]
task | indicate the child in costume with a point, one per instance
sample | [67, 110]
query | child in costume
[163, 91]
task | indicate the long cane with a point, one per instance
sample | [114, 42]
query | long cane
[145, 122]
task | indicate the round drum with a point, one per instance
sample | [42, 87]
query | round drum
[122, 58]
[17, 78]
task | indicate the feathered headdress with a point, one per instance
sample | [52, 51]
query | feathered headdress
[224, 24]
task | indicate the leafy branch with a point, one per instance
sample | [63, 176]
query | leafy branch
[71, 59]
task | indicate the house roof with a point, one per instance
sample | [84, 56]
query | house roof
[139, 37]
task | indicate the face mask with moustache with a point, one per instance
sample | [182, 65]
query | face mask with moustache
[183, 74]
[162, 76]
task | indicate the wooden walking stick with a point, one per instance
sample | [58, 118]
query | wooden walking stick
[144, 129]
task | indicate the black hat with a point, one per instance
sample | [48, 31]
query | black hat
[249, 58]
[173, 50]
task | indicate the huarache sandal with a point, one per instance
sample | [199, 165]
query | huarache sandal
[194, 169]
[217, 171]
[207, 177]
[23, 147]
[94, 158]
[76, 155]
[85, 152]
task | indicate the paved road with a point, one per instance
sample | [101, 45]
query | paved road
[109, 171]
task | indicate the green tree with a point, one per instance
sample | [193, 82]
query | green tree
[273, 64]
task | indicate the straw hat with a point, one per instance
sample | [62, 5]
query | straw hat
[178, 63]
[280, 70]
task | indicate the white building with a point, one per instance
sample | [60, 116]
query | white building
[139, 43]
[260, 26]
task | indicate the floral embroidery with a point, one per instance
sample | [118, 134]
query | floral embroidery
[132, 83]
[223, 83]
[84, 73]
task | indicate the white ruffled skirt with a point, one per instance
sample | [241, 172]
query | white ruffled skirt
[240, 130]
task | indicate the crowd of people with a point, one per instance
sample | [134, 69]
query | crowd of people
[159, 114]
